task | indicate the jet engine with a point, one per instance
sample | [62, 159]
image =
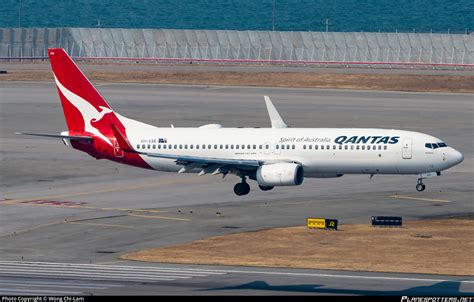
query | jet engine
[280, 174]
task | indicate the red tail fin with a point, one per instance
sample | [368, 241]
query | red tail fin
[84, 108]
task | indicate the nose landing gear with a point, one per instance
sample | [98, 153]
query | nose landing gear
[420, 186]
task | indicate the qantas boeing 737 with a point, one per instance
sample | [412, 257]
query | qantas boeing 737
[276, 156]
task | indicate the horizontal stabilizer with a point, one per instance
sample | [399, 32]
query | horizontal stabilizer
[72, 137]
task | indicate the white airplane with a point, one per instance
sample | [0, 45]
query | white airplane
[276, 156]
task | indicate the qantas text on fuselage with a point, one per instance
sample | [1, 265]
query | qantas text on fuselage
[276, 156]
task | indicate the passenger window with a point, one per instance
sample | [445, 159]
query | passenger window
[368, 147]
[260, 147]
[385, 147]
[209, 147]
[293, 147]
[304, 147]
[148, 146]
[159, 146]
[248, 147]
[363, 147]
[170, 147]
[267, 146]
[185, 146]
[327, 147]
[221, 147]
[175, 146]
[346, 147]
[164, 146]
[154, 146]
[215, 146]
[227, 146]
[340, 147]
[277, 147]
[334, 147]
[236, 146]
[138, 146]
[380, 147]
[254, 147]
[232, 146]
[203, 146]
[310, 147]
[315, 147]
[357, 147]
[352, 147]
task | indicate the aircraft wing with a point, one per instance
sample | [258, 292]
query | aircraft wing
[208, 164]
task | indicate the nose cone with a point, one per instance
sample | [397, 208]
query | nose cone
[455, 157]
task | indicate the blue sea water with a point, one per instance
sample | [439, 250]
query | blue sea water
[343, 15]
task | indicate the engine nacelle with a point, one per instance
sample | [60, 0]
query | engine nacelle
[280, 174]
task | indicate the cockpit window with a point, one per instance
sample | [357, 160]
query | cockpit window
[435, 145]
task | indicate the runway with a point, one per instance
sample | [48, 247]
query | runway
[21, 278]
[60, 206]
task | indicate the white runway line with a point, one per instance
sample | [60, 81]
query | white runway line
[98, 272]
[143, 271]
[14, 292]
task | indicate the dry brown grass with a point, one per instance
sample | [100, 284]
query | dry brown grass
[430, 247]
[394, 82]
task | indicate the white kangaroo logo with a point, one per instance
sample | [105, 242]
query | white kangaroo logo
[89, 113]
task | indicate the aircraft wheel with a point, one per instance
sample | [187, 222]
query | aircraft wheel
[265, 188]
[420, 187]
[242, 188]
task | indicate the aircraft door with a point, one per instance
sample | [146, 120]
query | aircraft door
[406, 148]
[118, 152]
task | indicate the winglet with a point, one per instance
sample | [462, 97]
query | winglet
[277, 121]
[121, 140]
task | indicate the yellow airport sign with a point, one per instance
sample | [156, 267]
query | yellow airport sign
[321, 223]
[316, 223]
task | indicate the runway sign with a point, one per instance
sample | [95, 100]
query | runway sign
[386, 221]
[321, 223]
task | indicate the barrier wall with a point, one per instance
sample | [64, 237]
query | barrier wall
[229, 45]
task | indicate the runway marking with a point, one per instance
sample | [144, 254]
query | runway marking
[32, 203]
[160, 217]
[42, 291]
[32, 228]
[49, 285]
[271, 204]
[419, 198]
[101, 191]
[102, 224]
[111, 262]
[66, 266]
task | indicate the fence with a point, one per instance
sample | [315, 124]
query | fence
[247, 46]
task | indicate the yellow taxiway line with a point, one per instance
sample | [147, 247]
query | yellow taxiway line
[419, 198]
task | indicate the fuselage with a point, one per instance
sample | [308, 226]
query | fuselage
[322, 152]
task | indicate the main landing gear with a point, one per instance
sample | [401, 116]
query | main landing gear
[265, 188]
[242, 188]
[420, 186]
